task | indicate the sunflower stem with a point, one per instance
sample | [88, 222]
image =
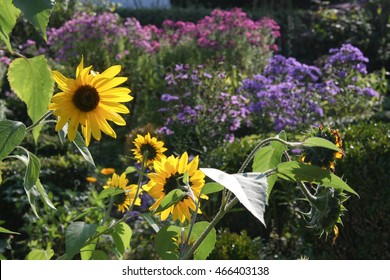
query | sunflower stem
[39, 121]
[191, 227]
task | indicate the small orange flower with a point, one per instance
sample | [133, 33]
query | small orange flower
[107, 171]
[91, 179]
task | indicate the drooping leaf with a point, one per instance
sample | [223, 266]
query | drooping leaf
[31, 80]
[249, 188]
[80, 144]
[320, 142]
[8, 16]
[207, 245]
[76, 235]
[212, 187]
[37, 12]
[41, 255]
[4, 230]
[33, 168]
[170, 199]
[121, 235]
[300, 172]
[151, 222]
[44, 197]
[11, 135]
[166, 246]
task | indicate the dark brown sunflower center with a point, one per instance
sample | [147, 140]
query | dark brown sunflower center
[119, 199]
[86, 98]
[148, 151]
[171, 184]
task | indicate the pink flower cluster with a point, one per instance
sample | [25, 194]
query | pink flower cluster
[223, 29]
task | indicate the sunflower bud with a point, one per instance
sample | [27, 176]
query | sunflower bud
[326, 211]
[322, 157]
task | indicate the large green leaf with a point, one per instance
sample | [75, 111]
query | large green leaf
[166, 246]
[31, 80]
[121, 235]
[207, 245]
[249, 188]
[41, 255]
[151, 222]
[37, 12]
[76, 235]
[300, 172]
[320, 142]
[8, 16]
[11, 135]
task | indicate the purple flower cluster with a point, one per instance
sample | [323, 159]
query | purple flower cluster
[294, 95]
[286, 92]
[101, 31]
[348, 57]
[197, 100]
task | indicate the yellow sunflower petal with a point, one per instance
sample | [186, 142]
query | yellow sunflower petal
[112, 71]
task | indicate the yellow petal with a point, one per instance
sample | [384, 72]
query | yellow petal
[183, 163]
[107, 84]
[112, 71]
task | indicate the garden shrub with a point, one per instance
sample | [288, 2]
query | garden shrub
[365, 167]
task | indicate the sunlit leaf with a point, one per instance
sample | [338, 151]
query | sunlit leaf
[207, 245]
[121, 235]
[170, 199]
[11, 135]
[8, 16]
[31, 80]
[212, 187]
[87, 250]
[41, 255]
[300, 172]
[249, 188]
[109, 192]
[320, 142]
[37, 12]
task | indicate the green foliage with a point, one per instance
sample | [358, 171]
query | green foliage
[121, 235]
[235, 246]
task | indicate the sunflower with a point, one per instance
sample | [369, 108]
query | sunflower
[168, 176]
[322, 157]
[91, 99]
[148, 149]
[126, 198]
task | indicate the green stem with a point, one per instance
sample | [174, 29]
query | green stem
[38, 122]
